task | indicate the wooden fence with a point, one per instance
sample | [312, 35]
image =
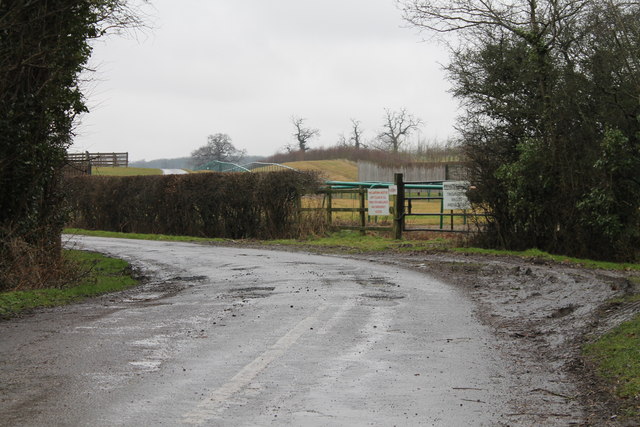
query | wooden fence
[425, 172]
[100, 159]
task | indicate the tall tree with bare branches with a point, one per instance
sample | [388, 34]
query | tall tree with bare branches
[303, 134]
[398, 125]
[356, 134]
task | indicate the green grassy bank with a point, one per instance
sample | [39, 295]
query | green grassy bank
[616, 356]
[96, 274]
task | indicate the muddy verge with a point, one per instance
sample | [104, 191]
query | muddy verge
[542, 314]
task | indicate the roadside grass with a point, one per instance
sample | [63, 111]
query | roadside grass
[138, 236]
[97, 275]
[631, 297]
[617, 357]
[109, 171]
[353, 241]
[538, 254]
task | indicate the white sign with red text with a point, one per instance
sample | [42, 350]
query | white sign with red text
[378, 201]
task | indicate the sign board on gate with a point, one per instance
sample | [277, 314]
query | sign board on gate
[393, 190]
[454, 194]
[378, 201]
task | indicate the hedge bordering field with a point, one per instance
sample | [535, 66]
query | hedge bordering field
[247, 205]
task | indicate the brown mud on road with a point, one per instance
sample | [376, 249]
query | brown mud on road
[542, 314]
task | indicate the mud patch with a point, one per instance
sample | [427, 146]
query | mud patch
[375, 282]
[255, 289]
[253, 292]
[388, 297]
[541, 313]
[189, 279]
[562, 312]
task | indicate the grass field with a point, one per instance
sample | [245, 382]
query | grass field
[107, 171]
[331, 170]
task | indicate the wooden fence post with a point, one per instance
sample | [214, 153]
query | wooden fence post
[398, 221]
[363, 223]
[329, 207]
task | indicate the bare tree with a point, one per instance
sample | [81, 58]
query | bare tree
[397, 126]
[303, 133]
[218, 148]
[354, 139]
[531, 20]
[356, 133]
[342, 141]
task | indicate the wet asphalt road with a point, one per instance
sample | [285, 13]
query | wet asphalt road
[243, 337]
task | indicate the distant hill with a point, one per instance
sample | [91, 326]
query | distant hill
[177, 163]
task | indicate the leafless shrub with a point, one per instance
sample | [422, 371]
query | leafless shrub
[25, 266]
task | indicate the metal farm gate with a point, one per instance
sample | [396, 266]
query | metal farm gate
[436, 206]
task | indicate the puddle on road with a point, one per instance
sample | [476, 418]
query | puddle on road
[144, 297]
[189, 278]
[375, 281]
[255, 289]
[382, 296]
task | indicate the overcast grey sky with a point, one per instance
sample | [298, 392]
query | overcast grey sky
[244, 67]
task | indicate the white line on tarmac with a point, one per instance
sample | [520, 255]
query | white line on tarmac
[212, 405]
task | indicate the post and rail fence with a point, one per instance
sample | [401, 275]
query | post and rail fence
[86, 161]
[407, 199]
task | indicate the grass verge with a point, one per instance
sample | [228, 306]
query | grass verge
[353, 241]
[99, 275]
[138, 236]
[617, 357]
[538, 254]
[349, 241]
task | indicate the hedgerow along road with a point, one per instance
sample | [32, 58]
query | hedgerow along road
[237, 336]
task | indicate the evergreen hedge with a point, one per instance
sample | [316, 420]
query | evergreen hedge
[226, 205]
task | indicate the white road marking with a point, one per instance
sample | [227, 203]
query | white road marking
[214, 403]
[337, 317]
